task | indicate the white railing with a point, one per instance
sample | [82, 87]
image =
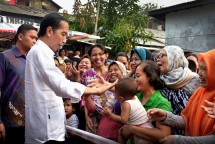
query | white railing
[89, 136]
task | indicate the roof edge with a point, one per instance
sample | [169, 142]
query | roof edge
[161, 13]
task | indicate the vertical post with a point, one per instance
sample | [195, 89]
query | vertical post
[97, 17]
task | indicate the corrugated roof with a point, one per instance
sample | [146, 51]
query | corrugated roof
[23, 10]
[161, 13]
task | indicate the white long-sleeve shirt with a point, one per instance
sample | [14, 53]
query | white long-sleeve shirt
[45, 85]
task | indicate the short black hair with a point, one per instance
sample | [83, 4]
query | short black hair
[192, 54]
[67, 60]
[75, 106]
[23, 29]
[53, 20]
[61, 51]
[100, 46]
[192, 65]
[122, 54]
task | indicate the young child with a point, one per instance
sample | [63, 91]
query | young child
[71, 118]
[132, 111]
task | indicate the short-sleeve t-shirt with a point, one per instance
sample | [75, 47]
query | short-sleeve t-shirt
[156, 100]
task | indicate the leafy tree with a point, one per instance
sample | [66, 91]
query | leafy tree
[83, 18]
[148, 7]
[123, 23]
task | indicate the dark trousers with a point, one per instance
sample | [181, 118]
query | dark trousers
[14, 135]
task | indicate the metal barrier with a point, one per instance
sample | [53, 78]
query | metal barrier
[89, 136]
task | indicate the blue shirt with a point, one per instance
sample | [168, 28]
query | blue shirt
[12, 74]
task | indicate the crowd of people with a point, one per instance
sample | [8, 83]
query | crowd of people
[141, 98]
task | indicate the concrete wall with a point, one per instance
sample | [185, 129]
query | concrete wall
[192, 29]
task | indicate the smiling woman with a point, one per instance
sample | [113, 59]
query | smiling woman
[204, 130]
[180, 81]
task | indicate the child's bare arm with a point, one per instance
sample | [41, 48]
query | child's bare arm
[123, 118]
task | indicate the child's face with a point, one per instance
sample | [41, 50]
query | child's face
[114, 72]
[68, 108]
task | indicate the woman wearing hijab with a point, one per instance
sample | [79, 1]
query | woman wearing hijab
[180, 81]
[199, 128]
[137, 56]
[108, 128]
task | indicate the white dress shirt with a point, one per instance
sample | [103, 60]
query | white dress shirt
[45, 85]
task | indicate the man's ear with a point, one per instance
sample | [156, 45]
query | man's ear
[49, 30]
[20, 37]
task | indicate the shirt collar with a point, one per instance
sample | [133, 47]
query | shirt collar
[17, 52]
[152, 99]
[46, 47]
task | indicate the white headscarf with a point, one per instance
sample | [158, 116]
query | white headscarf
[178, 75]
[121, 67]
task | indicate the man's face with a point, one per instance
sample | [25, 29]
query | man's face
[57, 37]
[28, 39]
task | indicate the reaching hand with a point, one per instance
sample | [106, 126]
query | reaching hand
[107, 87]
[98, 82]
[167, 140]
[106, 111]
[89, 123]
[2, 131]
[99, 90]
[156, 114]
[210, 109]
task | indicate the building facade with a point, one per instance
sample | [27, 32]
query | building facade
[189, 25]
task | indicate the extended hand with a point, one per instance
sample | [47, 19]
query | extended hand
[210, 109]
[156, 114]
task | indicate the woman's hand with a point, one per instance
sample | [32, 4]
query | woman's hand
[167, 140]
[126, 131]
[156, 114]
[210, 109]
[106, 111]
[89, 123]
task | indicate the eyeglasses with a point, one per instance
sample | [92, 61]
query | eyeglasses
[159, 56]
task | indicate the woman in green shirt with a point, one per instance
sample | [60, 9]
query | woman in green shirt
[147, 76]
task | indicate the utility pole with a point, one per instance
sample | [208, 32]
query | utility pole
[97, 17]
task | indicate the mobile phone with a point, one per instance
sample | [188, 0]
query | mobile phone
[74, 63]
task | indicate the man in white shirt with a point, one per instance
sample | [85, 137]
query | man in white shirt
[45, 85]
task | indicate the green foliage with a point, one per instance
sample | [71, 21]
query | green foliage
[123, 23]
[148, 7]
[126, 34]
